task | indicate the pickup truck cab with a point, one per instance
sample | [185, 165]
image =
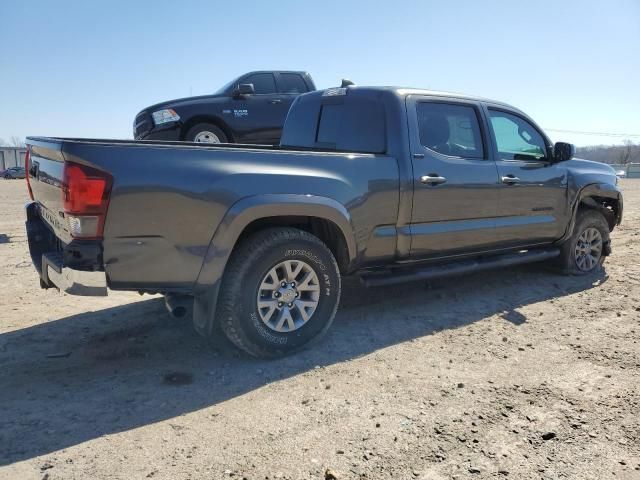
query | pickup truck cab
[390, 184]
[249, 109]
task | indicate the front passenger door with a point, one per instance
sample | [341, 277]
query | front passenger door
[455, 185]
[533, 206]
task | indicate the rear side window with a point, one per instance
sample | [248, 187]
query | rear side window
[263, 83]
[450, 129]
[293, 83]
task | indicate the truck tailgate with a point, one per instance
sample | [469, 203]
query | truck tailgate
[46, 165]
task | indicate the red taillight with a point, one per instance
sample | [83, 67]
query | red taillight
[85, 196]
[27, 159]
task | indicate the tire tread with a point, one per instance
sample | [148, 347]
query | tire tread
[239, 264]
[584, 216]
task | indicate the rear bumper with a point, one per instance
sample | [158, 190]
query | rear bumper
[69, 280]
[75, 268]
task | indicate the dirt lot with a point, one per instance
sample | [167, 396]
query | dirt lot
[517, 373]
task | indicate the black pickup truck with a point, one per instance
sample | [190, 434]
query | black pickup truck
[249, 109]
[390, 184]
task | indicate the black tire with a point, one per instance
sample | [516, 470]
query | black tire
[237, 310]
[201, 128]
[586, 219]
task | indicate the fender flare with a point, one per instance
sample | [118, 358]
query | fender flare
[605, 190]
[241, 214]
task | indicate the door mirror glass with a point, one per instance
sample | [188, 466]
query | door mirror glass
[244, 89]
[563, 151]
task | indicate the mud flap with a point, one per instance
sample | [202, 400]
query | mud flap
[204, 310]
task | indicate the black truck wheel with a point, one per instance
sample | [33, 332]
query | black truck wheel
[280, 291]
[206, 133]
[585, 251]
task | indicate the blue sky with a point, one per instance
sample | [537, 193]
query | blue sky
[84, 68]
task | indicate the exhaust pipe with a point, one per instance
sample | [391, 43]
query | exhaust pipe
[179, 306]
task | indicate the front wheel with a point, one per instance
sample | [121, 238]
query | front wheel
[206, 133]
[280, 291]
[584, 252]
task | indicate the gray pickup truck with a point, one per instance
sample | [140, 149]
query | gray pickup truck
[390, 184]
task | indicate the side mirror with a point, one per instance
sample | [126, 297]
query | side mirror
[244, 89]
[563, 151]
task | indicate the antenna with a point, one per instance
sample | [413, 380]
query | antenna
[346, 83]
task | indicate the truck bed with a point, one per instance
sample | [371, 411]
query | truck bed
[168, 198]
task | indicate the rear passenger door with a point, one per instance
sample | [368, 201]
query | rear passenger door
[290, 85]
[455, 185]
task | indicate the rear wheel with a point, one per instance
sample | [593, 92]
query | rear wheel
[206, 133]
[280, 292]
[585, 251]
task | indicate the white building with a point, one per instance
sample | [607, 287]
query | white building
[12, 157]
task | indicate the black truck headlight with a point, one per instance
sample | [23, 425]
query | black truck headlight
[165, 116]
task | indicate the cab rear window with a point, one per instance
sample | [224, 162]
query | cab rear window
[346, 123]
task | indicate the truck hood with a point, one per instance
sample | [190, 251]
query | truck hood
[182, 101]
[582, 166]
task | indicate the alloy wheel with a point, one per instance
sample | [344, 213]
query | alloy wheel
[588, 249]
[288, 296]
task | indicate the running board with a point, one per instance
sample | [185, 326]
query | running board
[409, 274]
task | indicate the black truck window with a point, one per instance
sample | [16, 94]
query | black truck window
[293, 83]
[263, 83]
[450, 129]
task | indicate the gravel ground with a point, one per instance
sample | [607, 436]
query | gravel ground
[518, 373]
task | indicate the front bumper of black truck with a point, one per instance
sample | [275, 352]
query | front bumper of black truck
[75, 268]
[167, 132]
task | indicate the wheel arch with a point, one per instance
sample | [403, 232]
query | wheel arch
[326, 230]
[603, 197]
[205, 118]
[321, 216]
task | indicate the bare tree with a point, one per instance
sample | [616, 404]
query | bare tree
[627, 153]
[2, 142]
[16, 141]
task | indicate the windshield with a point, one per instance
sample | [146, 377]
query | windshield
[226, 86]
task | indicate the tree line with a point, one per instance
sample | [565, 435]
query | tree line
[624, 154]
[14, 141]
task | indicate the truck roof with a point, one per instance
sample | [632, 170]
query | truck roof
[405, 91]
[302, 72]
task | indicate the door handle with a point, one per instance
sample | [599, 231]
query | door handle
[432, 179]
[275, 102]
[510, 179]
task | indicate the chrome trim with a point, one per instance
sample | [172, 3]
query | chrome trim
[74, 282]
